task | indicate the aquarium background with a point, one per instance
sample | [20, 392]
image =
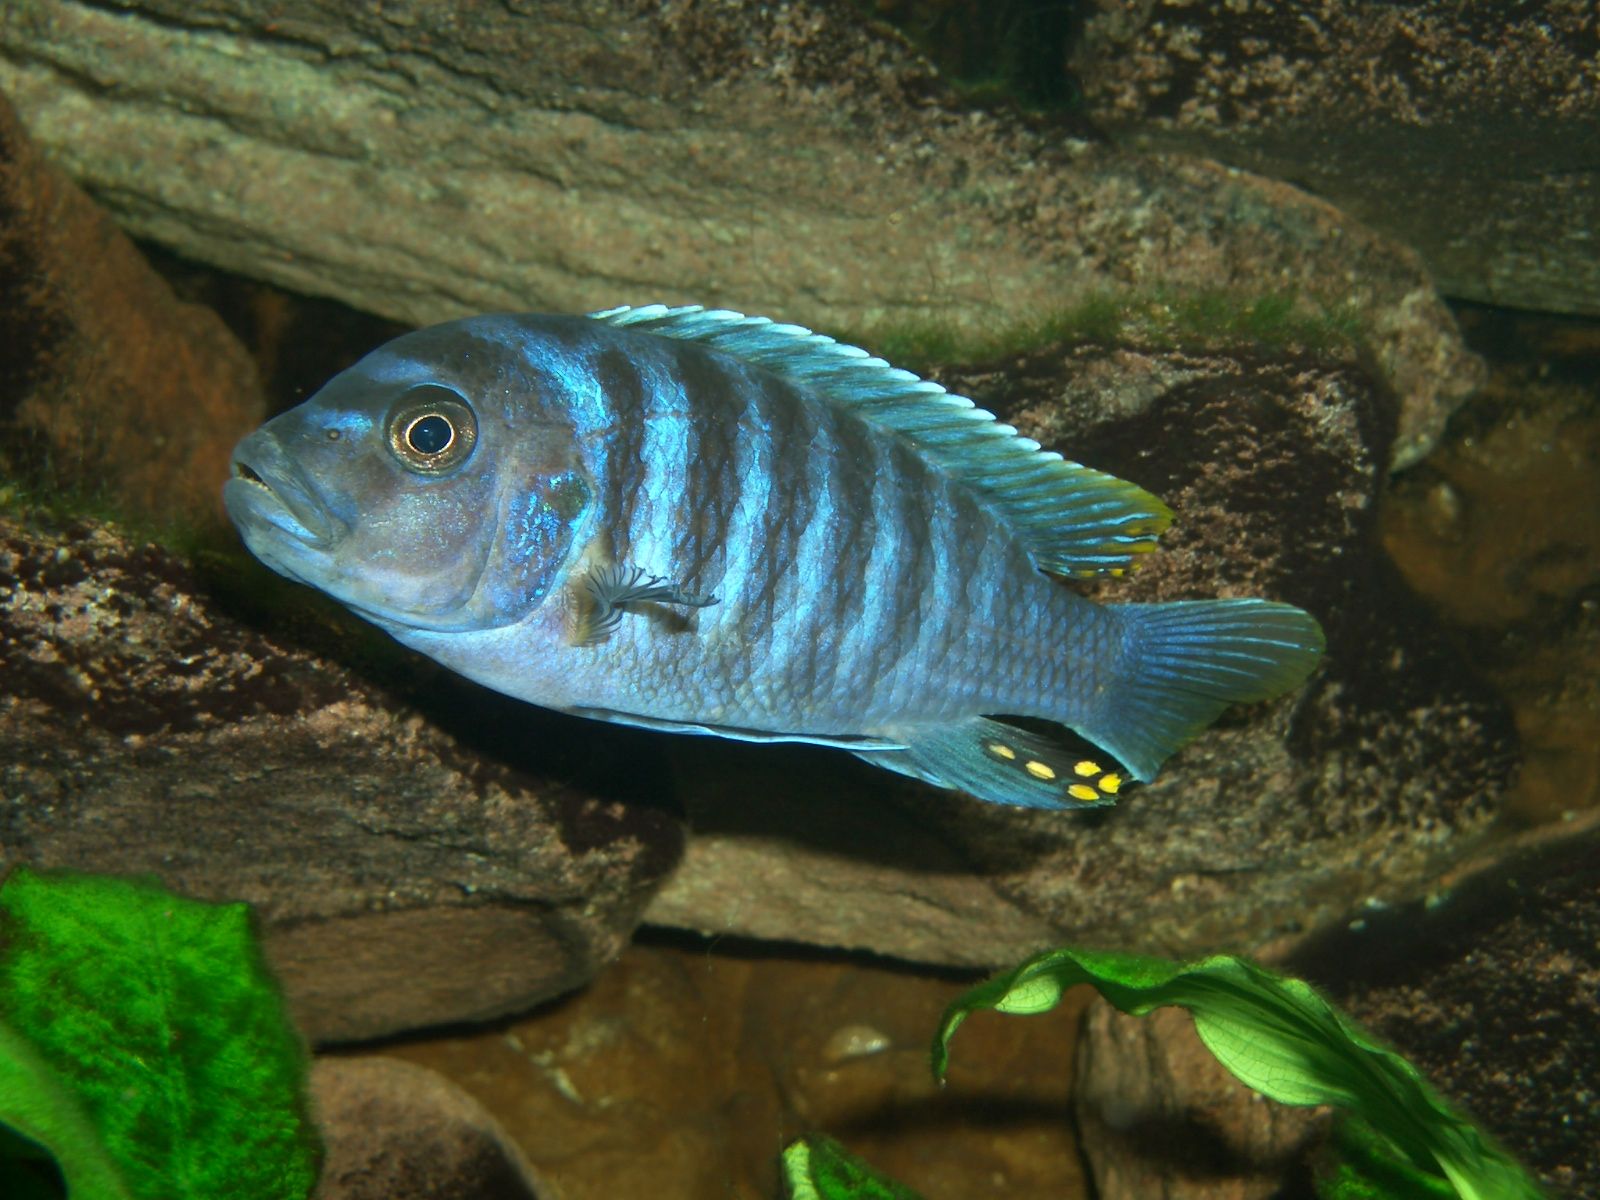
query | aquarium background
[1323, 275]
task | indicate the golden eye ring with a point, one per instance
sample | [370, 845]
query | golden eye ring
[432, 430]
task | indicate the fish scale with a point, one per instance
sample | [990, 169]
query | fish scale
[764, 615]
[698, 521]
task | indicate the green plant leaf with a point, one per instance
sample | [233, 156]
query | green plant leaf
[818, 1168]
[157, 1016]
[1277, 1036]
[38, 1112]
[1359, 1163]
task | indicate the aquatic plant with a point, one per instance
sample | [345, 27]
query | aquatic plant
[145, 1051]
[818, 1168]
[1398, 1138]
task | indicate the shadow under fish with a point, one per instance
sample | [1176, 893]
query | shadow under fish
[694, 520]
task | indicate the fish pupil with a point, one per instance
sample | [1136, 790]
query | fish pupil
[431, 434]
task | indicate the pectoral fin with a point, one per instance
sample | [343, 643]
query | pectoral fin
[606, 591]
[1003, 764]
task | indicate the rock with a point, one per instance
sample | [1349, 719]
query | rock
[396, 1131]
[1492, 988]
[1482, 533]
[1159, 1116]
[683, 1070]
[684, 1067]
[1385, 769]
[109, 385]
[788, 159]
[403, 877]
[1466, 131]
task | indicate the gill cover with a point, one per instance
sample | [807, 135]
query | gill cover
[442, 504]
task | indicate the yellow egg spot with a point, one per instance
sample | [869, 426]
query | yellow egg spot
[1110, 784]
[1082, 791]
[1086, 768]
[1001, 750]
[1040, 770]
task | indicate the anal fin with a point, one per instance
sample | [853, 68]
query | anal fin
[859, 743]
[1004, 764]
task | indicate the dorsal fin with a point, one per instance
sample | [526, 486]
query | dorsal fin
[1074, 520]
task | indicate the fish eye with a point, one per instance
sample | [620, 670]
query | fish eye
[430, 434]
[431, 429]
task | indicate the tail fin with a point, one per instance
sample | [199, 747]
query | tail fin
[1190, 660]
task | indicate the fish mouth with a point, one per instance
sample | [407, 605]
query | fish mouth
[266, 490]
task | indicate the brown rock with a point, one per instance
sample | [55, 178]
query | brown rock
[403, 878]
[1381, 772]
[1159, 1116]
[1500, 532]
[1466, 131]
[1492, 988]
[682, 1071]
[396, 1131]
[108, 384]
[426, 161]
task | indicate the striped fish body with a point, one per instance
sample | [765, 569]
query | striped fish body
[858, 587]
[709, 523]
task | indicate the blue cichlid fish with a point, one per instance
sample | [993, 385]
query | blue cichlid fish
[706, 522]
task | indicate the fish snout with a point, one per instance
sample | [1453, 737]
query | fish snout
[266, 488]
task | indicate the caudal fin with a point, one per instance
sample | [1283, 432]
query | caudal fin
[1190, 660]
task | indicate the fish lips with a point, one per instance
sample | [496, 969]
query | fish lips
[266, 492]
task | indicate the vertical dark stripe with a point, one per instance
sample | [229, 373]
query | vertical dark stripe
[712, 484]
[804, 630]
[741, 650]
[622, 476]
[897, 574]
[960, 638]
[787, 425]
[832, 591]
[914, 603]
[853, 476]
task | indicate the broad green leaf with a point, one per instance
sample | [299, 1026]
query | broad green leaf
[818, 1168]
[34, 1107]
[1277, 1036]
[1359, 1163]
[158, 1016]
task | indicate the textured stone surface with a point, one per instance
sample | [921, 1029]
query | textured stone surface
[396, 1131]
[422, 161]
[1467, 131]
[1160, 1117]
[1493, 990]
[1383, 770]
[404, 877]
[1500, 532]
[682, 1071]
[108, 384]
[1497, 992]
